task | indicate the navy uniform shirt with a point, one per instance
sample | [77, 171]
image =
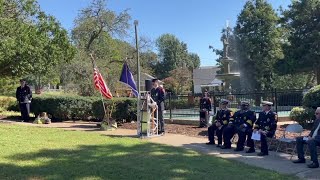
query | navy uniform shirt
[205, 103]
[266, 122]
[244, 117]
[223, 116]
[24, 94]
[158, 95]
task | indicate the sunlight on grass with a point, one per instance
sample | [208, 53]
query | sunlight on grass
[48, 153]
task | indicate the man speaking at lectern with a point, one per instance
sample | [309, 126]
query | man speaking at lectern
[157, 94]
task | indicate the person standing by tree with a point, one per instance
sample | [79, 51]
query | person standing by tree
[157, 94]
[24, 96]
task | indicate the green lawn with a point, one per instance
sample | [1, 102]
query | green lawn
[47, 153]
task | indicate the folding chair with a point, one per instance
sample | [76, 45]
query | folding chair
[294, 129]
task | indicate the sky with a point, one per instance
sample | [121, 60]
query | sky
[195, 22]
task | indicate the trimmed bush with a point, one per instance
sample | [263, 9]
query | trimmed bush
[303, 116]
[7, 103]
[122, 109]
[84, 108]
[312, 98]
[64, 107]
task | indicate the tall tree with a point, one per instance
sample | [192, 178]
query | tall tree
[302, 48]
[31, 42]
[172, 54]
[259, 37]
[96, 29]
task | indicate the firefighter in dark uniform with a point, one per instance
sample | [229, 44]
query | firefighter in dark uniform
[221, 121]
[158, 95]
[242, 124]
[266, 125]
[205, 108]
[24, 96]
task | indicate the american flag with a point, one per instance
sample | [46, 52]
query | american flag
[101, 85]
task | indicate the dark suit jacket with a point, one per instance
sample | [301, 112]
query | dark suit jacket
[315, 125]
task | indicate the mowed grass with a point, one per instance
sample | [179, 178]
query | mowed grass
[48, 153]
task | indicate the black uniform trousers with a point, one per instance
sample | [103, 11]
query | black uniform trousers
[243, 136]
[25, 111]
[215, 130]
[228, 133]
[264, 142]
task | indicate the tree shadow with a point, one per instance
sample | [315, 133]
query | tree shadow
[123, 161]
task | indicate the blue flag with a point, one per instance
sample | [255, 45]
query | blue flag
[127, 78]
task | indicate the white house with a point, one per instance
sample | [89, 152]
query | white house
[205, 77]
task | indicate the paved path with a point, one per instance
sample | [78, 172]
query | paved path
[279, 162]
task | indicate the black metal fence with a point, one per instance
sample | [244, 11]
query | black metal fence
[186, 107]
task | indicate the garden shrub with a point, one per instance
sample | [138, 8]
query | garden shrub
[122, 109]
[312, 98]
[64, 107]
[7, 103]
[304, 116]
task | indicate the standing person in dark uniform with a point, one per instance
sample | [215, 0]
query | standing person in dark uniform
[242, 124]
[24, 96]
[205, 108]
[222, 120]
[266, 125]
[158, 95]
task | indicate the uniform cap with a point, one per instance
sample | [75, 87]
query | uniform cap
[266, 103]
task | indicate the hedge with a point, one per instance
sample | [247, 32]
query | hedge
[67, 107]
[304, 116]
[7, 103]
[312, 98]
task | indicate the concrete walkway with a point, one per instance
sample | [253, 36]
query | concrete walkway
[278, 162]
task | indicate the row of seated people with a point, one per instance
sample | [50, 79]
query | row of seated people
[244, 123]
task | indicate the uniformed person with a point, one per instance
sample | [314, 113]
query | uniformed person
[205, 108]
[242, 124]
[158, 95]
[266, 125]
[221, 121]
[24, 96]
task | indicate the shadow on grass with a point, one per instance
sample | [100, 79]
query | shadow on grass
[126, 161]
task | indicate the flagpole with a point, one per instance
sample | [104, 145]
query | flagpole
[138, 74]
[104, 107]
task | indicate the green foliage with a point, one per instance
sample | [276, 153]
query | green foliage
[292, 81]
[69, 107]
[7, 102]
[312, 98]
[50, 153]
[64, 107]
[259, 44]
[173, 54]
[32, 43]
[301, 21]
[303, 116]
[124, 109]
[8, 85]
